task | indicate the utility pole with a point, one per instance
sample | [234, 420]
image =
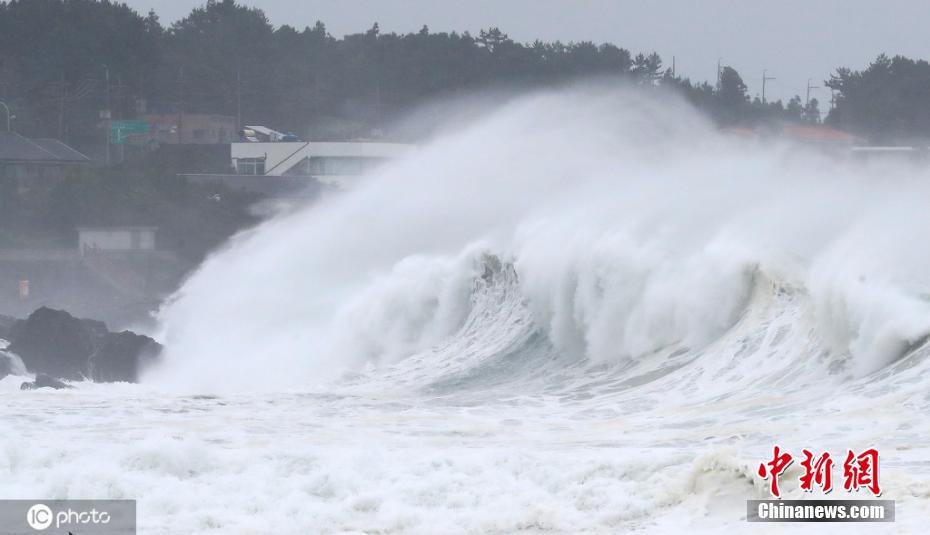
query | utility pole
[378, 98]
[718, 73]
[120, 97]
[107, 113]
[238, 100]
[764, 80]
[8, 115]
[119, 116]
[807, 101]
[180, 104]
[61, 108]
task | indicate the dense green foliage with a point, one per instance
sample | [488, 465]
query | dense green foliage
[53, 59]
[56, 55]
[889, 100]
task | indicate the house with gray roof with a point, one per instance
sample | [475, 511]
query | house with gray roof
[33, 162]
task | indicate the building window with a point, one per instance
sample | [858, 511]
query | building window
[250, 166]
[333, 166]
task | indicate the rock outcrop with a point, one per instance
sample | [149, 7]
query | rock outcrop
[54, 342]
[43, 381]
[60, 346]
[122, 356]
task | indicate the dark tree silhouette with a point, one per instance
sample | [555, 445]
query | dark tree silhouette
[227, 58]
[888, 101]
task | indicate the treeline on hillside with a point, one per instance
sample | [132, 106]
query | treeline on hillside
[62, 61]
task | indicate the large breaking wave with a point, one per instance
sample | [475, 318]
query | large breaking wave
[579, 242]
[582, 311]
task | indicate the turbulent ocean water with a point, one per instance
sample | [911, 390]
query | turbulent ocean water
[584, 311]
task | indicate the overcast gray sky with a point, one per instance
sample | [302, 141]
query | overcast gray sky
[793, 39]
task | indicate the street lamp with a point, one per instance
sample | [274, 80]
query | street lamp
[8, 115]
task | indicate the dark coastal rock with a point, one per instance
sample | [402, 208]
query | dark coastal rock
[43, 381]
[55, 343]
[60, 346]
[121, 356]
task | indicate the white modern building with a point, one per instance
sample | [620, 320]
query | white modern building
[328, 162]
[116, 239]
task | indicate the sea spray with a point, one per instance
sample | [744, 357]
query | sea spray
[632, 224]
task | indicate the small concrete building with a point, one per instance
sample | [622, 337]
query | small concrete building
[109, 239]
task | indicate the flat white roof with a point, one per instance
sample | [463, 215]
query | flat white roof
[282, 156]
[111, 229]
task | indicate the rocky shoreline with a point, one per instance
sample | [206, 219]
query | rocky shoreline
[57, 347]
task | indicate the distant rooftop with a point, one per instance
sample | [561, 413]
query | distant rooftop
[821, 134]
[266, 131]
[818, 134]
[17, 148]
